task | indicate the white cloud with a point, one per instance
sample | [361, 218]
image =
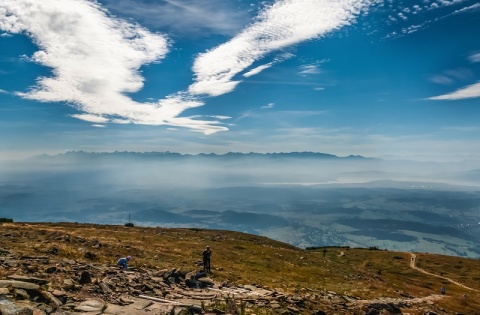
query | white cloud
[98, 126]
[319, 88]
[91, 118]
[474, 57]
[268, 106]
[3, 92]
[309, 69]
[257, 70]
[94, 67]
[471, 91]
[284, 23]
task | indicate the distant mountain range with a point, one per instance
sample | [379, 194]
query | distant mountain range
[177, 156]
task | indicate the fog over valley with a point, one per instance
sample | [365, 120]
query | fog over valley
[305, 199]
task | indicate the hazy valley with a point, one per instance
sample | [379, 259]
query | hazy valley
[305, 199]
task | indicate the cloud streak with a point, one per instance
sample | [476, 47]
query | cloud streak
[470, 91]
[281, 25]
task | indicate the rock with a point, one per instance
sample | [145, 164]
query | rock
[4, 291]
[53, 250]
[69, 284]
[51, 269]
[19, 285]
[28, 279]
[390, 307]
[90, 255]
[92, 306]
[124, 310]
[293, 309]
[69, 261]
[21, 294]
[206, 282]
[125, 300]
[10, 308]
[85, 278]
[275, 306]
[105, 288]
[250, 287]
[51, 299]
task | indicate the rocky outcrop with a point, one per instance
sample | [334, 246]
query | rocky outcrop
[44, 285]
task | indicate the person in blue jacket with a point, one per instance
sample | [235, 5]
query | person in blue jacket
[123, 262]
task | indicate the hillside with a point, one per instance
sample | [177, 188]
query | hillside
[327, 280]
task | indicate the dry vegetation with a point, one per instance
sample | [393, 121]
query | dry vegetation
[247, 259]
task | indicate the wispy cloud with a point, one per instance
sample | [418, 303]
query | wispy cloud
[3, 92]
[284, 23]
[257, 70]
[441, 79]
[474, 57]
[309, 69]
[471, 91]
[268, 106]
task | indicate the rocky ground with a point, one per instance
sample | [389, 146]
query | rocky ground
[40, 285]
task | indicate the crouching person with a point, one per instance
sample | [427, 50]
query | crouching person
[123, 262]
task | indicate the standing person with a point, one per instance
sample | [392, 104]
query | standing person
[207, 253]
[442, 290]
[123, 262]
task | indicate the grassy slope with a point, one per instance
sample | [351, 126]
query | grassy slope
[247, 259]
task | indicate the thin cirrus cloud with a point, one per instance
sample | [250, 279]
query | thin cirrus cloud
[470, 91]
[114, 51]
[281, 25]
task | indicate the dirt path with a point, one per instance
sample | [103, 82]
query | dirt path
[413, 265]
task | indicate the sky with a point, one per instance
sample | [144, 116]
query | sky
[363, 77]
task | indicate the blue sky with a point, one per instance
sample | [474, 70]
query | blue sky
[368, 77]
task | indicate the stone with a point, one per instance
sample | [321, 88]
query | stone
[105, 288]
[51, 269]
[51, 299]
[21, 294]
[206, 281]
[19, 285]
[92, 305]
[28, 279]
[85, 278]
[10, 308]
[90, 255]
[4, 291]
[68, 284]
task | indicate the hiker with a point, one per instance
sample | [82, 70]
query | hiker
[442, 290]
[123, 262]
[207, 253]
